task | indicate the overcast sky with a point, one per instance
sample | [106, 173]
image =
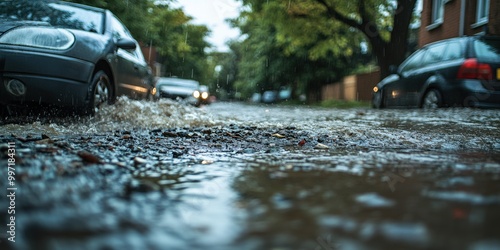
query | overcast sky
[213, 13]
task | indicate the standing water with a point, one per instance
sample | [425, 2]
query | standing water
[164, 175]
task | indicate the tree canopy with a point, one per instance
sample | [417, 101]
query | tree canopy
[283, 50]
[384, 24]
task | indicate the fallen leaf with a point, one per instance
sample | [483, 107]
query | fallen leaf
[207, 162]
[45, 141]
[278, 135]
[126, 137]
[302, 142]
[321, 146]
[139, 161]
[88, 157]
[170, 134]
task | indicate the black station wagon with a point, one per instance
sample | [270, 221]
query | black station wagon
[461, 71]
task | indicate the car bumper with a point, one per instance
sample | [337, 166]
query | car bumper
[473, 93]
[48, 78]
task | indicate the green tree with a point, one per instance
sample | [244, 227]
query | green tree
[383, 23]
[273, 55]
[226, 70]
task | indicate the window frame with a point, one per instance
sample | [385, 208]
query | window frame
[416, 56]
[482, 12]
[454, 46]
[434, 54]
[437, 14]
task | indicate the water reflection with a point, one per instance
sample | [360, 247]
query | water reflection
[293, 206]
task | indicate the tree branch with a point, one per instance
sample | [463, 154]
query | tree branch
[337, 15]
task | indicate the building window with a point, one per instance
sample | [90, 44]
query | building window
[437, 11]
[483, 9]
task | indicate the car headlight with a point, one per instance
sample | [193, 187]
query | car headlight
[41, 37]
[204, 95]
[196, 94]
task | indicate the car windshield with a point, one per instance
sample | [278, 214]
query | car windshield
[178, 83]
[488, 50]
[53, 13]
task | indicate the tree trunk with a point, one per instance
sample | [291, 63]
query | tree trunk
[388, 53]
[314, 90]
[394, 51]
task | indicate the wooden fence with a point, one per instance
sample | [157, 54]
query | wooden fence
[352, 88]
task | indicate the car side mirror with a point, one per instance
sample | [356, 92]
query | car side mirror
[393, 69]
[126, 44]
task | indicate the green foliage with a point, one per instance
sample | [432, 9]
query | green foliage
[334, 27]
[222, 83]
[307, 44]
[297, 52]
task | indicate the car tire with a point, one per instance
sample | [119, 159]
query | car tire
[432, 99]
[378, 100]
[100, 92]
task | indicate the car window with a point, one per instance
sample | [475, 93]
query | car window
[434, 54]
[487, 50]
[453, 51]
[56, 14]
[413, 62]
[120, 31]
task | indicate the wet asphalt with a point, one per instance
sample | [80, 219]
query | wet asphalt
[238, 176]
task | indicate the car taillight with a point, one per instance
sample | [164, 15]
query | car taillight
[472, 69]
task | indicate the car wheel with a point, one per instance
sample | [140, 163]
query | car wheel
[432, 99]
[378, 101]
[3, 111]
[100, 92]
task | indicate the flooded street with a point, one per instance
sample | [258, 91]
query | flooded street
[235, 176]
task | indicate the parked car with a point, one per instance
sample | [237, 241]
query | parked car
[67, 55]
[202, 94]
[285, 93]
[461, 71]
[179, 89]
[270, 96]
[256, 97]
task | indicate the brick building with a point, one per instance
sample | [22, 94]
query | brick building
[443, 19]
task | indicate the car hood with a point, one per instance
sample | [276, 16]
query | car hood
[388, 79]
